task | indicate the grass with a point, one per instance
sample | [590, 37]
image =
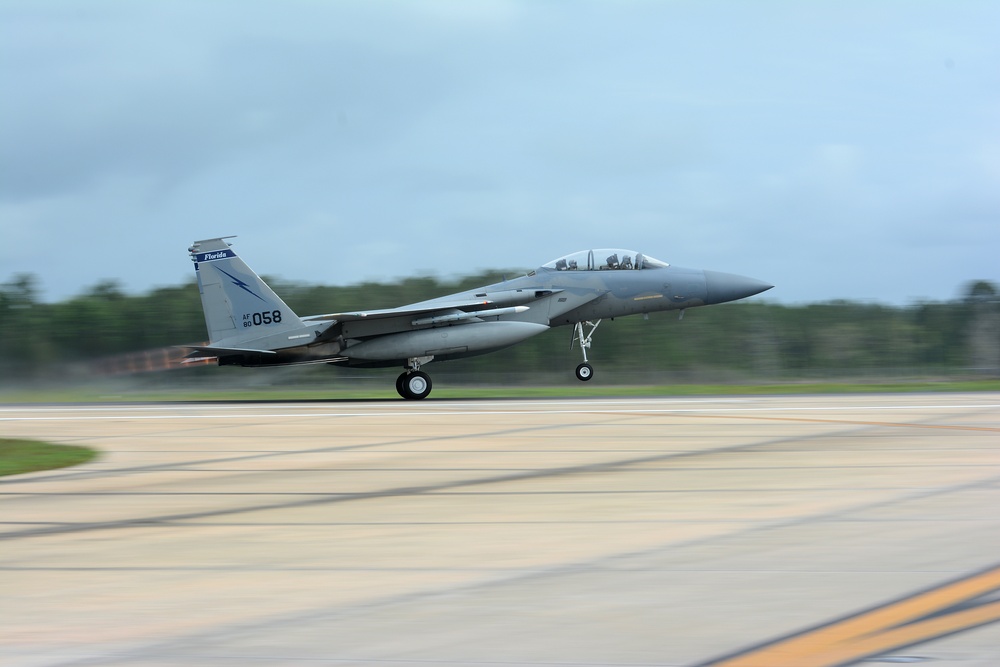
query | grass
[21, 456]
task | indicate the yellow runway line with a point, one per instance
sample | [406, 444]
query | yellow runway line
[919, 618]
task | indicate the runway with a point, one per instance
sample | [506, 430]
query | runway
[724, 531]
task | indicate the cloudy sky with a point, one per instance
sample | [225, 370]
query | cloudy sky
[836, 149]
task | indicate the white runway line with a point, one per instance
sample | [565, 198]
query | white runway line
[140, 407]
[452, 411]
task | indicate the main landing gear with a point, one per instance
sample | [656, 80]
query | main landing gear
[413, 384]
[584, 371]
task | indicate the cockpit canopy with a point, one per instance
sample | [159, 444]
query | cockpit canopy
[605, 259]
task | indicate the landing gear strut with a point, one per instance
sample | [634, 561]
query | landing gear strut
[413, 384]
[584, 371]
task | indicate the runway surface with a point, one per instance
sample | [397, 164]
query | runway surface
[773, 531]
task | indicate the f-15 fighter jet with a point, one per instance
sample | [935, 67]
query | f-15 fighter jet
[249, 325]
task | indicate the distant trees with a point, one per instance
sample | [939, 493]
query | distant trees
[36, 338]
[745, 341]
[981, 291]
[20, 316]
[983, 300]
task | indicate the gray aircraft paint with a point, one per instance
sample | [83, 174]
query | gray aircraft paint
[249, 325]
[446, 341]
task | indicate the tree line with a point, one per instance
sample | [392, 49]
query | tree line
[756, 340]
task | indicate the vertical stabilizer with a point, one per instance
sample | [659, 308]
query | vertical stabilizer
[238, 305]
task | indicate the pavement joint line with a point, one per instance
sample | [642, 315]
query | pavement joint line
[445, 488]
[396, 491]
[611, 561]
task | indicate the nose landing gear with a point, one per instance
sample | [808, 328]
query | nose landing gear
[584, 371]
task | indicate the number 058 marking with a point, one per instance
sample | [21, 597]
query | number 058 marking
[257, 319]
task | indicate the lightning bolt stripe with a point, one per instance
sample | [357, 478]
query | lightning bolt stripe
[242, 285]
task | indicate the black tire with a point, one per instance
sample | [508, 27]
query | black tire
[584, 372]
[400, 386]
[417, 385]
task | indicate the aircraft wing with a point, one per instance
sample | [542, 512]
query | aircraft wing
[395, 312]
[485, 304]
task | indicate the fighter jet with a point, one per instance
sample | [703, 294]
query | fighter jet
[249, 325]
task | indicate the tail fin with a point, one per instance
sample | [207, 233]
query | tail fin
[238, 305]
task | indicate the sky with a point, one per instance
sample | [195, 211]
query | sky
[839, 150]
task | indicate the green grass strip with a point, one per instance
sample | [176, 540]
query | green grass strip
[443, 388]
[21, 456]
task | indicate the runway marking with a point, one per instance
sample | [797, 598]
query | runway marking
[947, 609]
[451, 412]
[136, 407]
[946, 427]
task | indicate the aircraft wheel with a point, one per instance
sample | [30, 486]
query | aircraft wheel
[584, 372]
[400, 387]
[417, 385]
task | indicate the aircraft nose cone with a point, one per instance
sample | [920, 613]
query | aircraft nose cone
[722, 287]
